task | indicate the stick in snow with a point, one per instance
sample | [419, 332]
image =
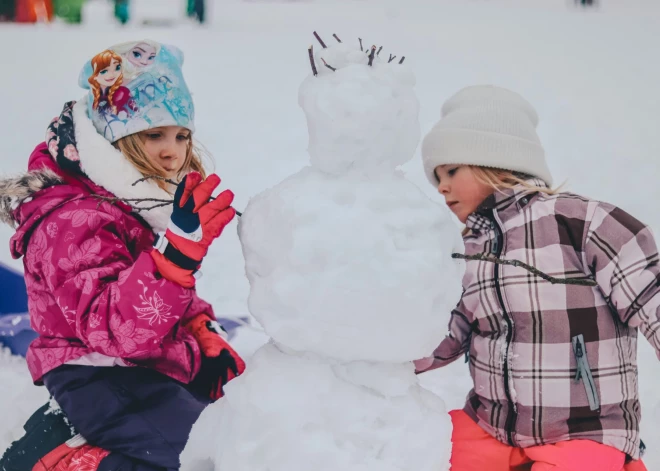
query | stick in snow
[529, 268]
[160, 202]
[320, 40]
[311, 60]
[391, 58]
[402, 59]
[335, 36]
[361, 48]
[379, 49]
[372, 55]
[155, 177]
[133, 202]
[328, 66]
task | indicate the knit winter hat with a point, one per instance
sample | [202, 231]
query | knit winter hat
[135, 86]
[486, 126]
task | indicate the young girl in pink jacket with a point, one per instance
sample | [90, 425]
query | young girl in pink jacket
[126, 347]
[556, 288]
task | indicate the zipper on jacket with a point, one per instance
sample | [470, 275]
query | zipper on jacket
[584, 372]
[496, 250]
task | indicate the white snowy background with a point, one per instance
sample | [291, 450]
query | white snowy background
[593, 76]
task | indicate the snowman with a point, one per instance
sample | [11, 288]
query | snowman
[351, 277]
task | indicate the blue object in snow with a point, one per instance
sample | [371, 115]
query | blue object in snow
[15, 330]
[230, 324]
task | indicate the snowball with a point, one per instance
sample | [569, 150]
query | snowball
[300, 412]
[351, 268]
[361, 118]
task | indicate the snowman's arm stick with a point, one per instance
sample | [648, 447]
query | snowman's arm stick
[529, 268]
[160, 202]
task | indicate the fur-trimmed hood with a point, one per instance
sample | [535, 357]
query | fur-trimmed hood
[16, 190]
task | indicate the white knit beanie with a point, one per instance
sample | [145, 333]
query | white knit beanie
[486, 126]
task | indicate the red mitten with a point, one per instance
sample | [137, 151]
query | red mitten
[195, 223]
[220, 362]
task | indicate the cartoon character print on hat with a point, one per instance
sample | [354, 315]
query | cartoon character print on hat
[140, 56]
[106, 85]
[137, 86]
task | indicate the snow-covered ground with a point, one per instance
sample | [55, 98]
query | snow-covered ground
[592, 75]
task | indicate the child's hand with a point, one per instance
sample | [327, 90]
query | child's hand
[220, 362]
[195, 223]
[423, 364]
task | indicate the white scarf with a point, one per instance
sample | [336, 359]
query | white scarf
[106, 166]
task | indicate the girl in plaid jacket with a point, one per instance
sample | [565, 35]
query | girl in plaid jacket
[553, 361]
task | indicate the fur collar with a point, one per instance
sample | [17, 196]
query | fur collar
[14, 191]
[107, 167]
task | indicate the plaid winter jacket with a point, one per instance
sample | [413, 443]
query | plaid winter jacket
[554, 362]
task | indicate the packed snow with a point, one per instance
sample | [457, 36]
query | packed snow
[338, 251]
[590, 74]
[336, 254]
[313, 292]
[322, 415]
[360, 118]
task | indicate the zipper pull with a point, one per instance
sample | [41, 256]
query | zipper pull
[496, 245]
[578, 356]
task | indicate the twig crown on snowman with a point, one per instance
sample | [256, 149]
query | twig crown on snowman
[371, 53]
[361, 109]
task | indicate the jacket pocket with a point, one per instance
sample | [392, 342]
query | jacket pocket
[584, 372]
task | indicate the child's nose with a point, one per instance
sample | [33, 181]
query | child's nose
[168, 151]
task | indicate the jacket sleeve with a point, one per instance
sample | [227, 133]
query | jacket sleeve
[117, 306]
[455, 344]
[622, 255]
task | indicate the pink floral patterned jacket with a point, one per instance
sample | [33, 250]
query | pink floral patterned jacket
[95, 297]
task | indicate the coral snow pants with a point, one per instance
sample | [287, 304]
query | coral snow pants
[475, 450]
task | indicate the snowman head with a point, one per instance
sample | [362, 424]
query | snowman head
[361, 109]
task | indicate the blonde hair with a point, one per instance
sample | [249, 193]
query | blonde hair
[133, 149]
[99, 63]
[500, 180]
